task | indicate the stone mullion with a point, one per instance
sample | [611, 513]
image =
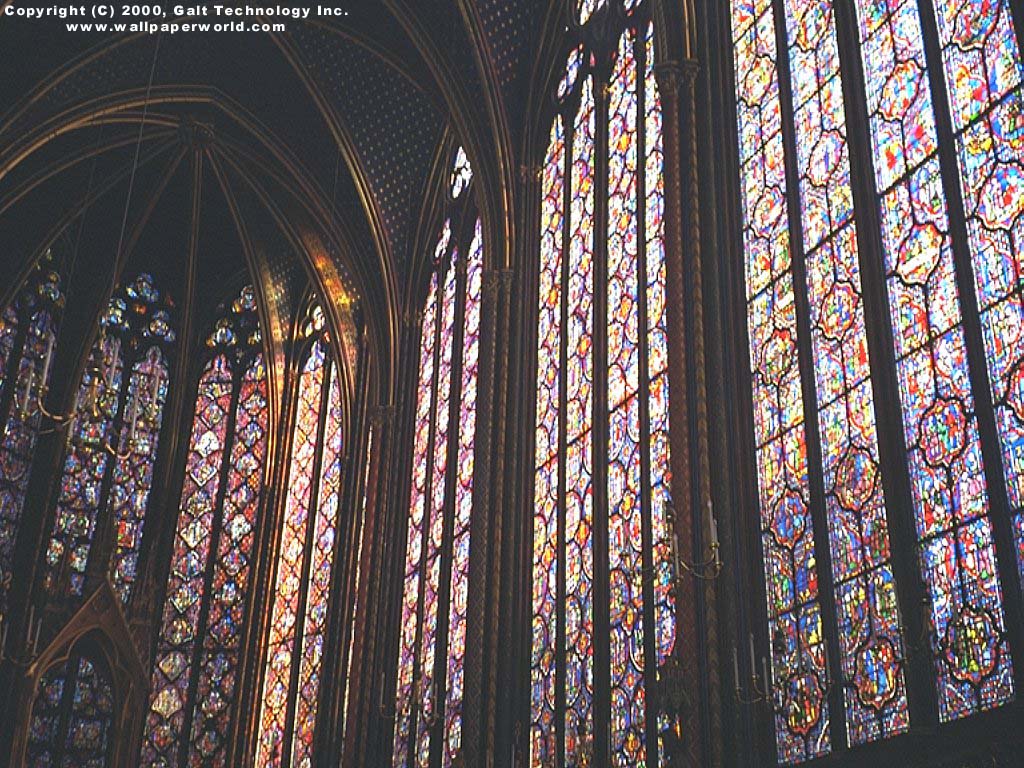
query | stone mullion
[669, 76]
[480, 660]
[513, 705]
[445, 551]
[364, 695]
[714, 132]
[380, 737]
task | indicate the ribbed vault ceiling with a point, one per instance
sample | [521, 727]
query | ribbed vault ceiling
[322, 138]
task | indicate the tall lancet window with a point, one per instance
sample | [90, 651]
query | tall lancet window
[432, 644]
[305, 556]
[195, 671]
[932, 224]
[602, 401]
[112, 446]
[28, 333]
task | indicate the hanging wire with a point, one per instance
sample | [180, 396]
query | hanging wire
[135, 161]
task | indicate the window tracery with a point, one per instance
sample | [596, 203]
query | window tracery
[113, 441]
[808, 241]
[298, 621]
[586, 419]
[436, 574]
[195, 674]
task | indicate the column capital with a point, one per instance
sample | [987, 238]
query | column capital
[381, 415]
[671, 74]
[495, 279]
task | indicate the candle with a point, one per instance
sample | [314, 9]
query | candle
[135, 414]
[115, 352]
[736, 667]
[31, 621]
[764, 671]
[28, 393]
[48, 359]
[753, 659]
[712, 524]
[676, 559]
[35, 641]
[155, 381]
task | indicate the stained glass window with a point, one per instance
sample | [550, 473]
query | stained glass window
[196, 665]
[436, 578]
[619, 139]
[298, 621]
[28, 334]
[805, 301]
[72, 716]
[112, 443]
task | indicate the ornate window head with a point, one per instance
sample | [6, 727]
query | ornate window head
[206, 605]
[113, 441]
[601, 451]
[432, 639]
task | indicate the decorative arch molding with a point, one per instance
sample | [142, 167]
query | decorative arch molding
[482, 139]
[310, 206]
[100, 623]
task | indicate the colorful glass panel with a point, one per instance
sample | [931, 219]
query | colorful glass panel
[219, 658]
[72, 717]
[946, 474]
[657, 357]
[984, 73]
[112, 442]
[172, 673]
[546, 542]
[427, 687]
[90, 723]
[579, 548]
[459, 582]
[85, 466]
[21, 426]
[133, 473]
[625, 519]
[318, 581]
[291, 558]
[586, 8]
[462, 173]
[417, 517]
[432, 650]
[871, 643]
[638, 569]
[787, 537]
